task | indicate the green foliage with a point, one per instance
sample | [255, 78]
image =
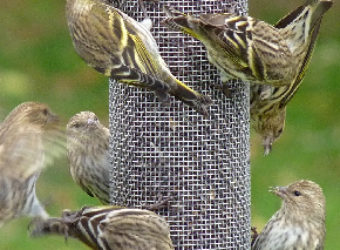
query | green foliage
[37, 62]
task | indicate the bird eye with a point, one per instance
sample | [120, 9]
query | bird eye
[297, 193]
[45, 111]
[76, 125]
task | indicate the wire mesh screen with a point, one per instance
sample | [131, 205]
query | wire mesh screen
[201, 163]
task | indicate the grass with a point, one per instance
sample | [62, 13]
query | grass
[37, 62]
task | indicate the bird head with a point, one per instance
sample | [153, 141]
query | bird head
[272, 128]
[304, 196]
[83, 122]
[35, 115]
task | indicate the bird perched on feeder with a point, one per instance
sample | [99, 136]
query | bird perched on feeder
[109, 227]
[26, 137]
[119, 47]
[273, 58]
[299, 223]
[88, 154]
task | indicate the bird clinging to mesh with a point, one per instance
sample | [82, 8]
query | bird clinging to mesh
[110, 227]
[273, 58]
[118, 46]
[88, 154]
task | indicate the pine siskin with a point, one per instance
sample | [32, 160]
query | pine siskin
[110, 227]
[88, 154]
[268, 103]
[299, 223]
[26, 135]
[122, 48]
[274, 56]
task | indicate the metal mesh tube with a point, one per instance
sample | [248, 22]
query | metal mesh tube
[172, 151]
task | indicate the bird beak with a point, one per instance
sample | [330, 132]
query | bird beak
[267, 144]
[92, 122]
[279, 191]
[53, 119]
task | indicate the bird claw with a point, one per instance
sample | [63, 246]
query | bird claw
[226, 90]
[142, 6]
[254, 235]
[171, 11]
[161, 203]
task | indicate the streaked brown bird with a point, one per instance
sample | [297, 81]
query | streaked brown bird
[110, 228]
[88, 154]
[119, 47]
[26, 138]
[299, 223]
[273, 58]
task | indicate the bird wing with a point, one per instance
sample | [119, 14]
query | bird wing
[296, 84]
[247, 43]
[225, 35]
[20, 155]
[86, 189]
[137, 56]
[229, 30]
[129, 229]
[317, 9]
[121, 53]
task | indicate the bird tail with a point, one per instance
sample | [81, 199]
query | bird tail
[80, 224]
[40, 227]
[162, 89]
[318, 9]
[132, 76]
[314, 9]
[60, 226]
[192, 98]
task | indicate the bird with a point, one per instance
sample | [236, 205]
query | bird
[109, 227]
[299, 223]
[273, 59]
[268, 104]
[88, 154]
[27, 135]
[119, 47]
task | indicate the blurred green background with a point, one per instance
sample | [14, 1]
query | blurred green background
[38, 63]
